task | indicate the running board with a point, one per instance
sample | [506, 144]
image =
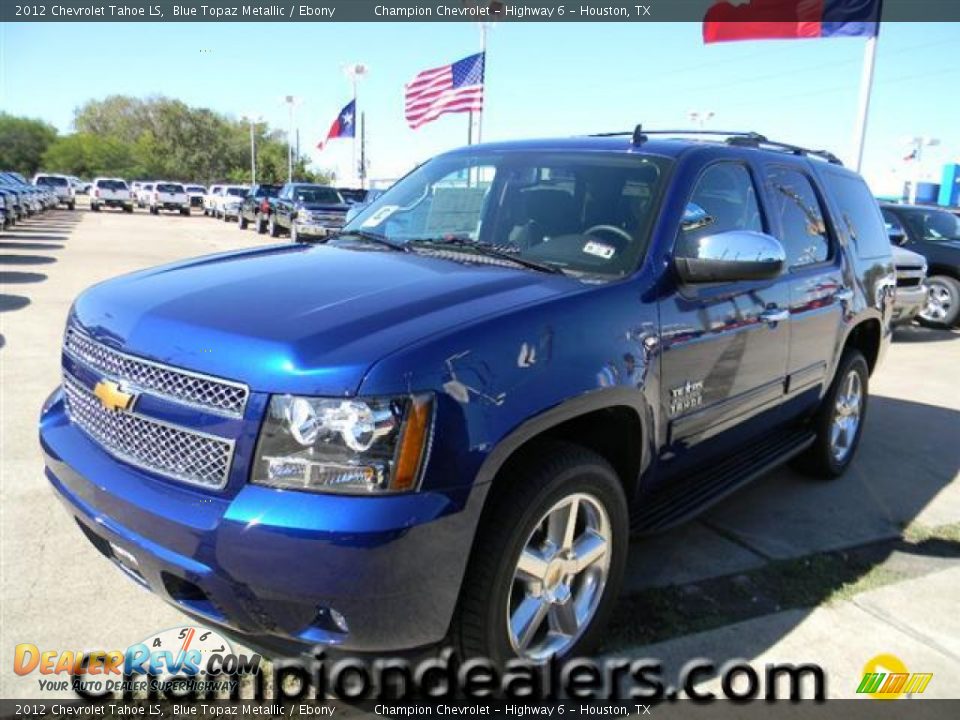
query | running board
[683, 499]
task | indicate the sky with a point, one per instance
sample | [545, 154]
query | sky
[542, 79]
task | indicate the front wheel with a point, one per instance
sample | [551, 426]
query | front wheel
[943, 302]
[274, 229]
[241, 222]
[839, 421]
[548, 562]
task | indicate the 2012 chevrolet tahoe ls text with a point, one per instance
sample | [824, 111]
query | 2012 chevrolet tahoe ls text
[443, 423]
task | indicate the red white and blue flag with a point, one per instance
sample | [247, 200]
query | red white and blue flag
[785, 19]
[343, 126]
[451, 88]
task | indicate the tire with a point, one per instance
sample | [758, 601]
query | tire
[294, 235]
[94, 207]
[274, 228]
[72, 206]
[226, 218]
[943, 302]
[837, 440]
[241, 222]
[128, 208]
[185, 212]
[516, 522]
[261, 226]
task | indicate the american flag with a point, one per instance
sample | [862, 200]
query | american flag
[449, 89]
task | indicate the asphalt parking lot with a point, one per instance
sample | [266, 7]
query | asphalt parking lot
[793, 569]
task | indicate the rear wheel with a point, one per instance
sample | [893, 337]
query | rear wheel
[548, 562]
[839, 421]
[72, 205]
[261, 225]
[241, 221]
[94, 207]
[943, 302]
[274, 229]
[185, 211]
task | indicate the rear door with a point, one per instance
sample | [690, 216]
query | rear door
[814, 266]
[724, 344]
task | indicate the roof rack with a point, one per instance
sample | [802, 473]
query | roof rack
[737, 138]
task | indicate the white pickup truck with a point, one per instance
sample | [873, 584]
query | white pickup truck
[60, 185]
[110, 192]
[169, 196]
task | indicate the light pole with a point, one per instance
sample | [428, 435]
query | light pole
[292, 103]
[253, 119]
[355, 72]
[700, 117]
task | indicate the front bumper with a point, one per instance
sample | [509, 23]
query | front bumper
[908, 303]
[316, 230]
[267, 566]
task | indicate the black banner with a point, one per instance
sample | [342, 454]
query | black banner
[423, 11]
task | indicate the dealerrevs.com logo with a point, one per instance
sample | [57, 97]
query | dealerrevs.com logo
[185, 658]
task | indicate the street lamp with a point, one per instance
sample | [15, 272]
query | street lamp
[253, 119]
[291, 102]
[917, 144]
[355, 72]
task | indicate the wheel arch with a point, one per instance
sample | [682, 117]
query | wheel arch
[613, 422]
[867, 337]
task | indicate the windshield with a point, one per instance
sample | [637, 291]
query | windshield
[196, 189]
[267, 191]
[47, 180]
[237, 192]
[579, 212]
[932, 225]
[169, 188]
[316, 194]
[112, 185]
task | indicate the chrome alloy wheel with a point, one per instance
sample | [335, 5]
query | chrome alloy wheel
[846, 416]
[939, 303]
[559, 578]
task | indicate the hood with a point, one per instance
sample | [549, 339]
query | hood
[307, 319]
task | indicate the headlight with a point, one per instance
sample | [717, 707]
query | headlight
[356, 446]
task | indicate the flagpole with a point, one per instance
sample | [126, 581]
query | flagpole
[866, 88]
[483, 48]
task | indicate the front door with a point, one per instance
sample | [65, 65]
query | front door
[724, 345]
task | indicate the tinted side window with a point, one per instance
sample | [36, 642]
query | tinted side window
[802, 228]
[859, 214]
[724, 199]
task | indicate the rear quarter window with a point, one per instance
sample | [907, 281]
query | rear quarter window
[860, 217]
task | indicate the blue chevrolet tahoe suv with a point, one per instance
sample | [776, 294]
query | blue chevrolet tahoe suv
[444, 423]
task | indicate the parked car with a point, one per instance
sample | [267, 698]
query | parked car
[353, 196]
[255, 207]
[32, 200]
[443, 423]
[196, 193]
[210, 200]
[8, 202]
[59, 185]
[934, 233]
[143, 193]
[912, 289]
[111, 192]
[169, 196]
[228, 203]
[357, 207]
[305, 211]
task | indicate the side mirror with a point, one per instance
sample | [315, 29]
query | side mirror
[897, 236]
[732, 256]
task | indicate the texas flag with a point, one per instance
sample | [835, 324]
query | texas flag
[343, 126]
[783, 19]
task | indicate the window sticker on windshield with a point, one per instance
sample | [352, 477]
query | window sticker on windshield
[600, 250]
[380, 215]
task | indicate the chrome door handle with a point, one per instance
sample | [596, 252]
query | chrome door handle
[844, 295]
[775, 315]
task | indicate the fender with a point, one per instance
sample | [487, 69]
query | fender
[568, 410]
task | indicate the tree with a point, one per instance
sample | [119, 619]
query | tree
[23, 142]
[87, 155]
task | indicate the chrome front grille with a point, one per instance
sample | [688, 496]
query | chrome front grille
[219, 396]
[176, 453]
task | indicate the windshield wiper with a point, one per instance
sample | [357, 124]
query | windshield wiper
[481, 248]
[374, 238]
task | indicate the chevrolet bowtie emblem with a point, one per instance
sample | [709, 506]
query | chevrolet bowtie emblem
[112, 397]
